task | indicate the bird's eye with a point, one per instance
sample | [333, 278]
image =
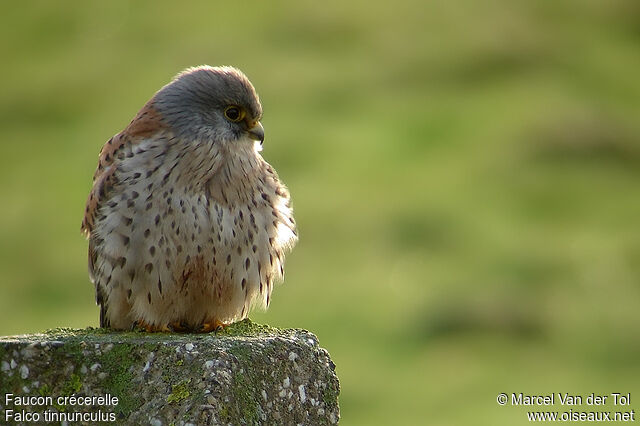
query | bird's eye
[234, 113]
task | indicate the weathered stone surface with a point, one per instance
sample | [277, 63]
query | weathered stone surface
[246, 374]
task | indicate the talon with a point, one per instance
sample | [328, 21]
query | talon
[178, 326]
[140, 325]
[212, 326]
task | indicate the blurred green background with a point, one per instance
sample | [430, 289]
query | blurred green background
[466, 178]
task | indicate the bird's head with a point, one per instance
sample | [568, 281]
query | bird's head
[211, 103]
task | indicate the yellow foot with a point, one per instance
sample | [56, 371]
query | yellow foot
[214, 325]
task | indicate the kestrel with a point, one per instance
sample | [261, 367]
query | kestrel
[187, 223]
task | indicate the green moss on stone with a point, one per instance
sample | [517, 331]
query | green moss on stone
[223, 414]
[179, 392]
[330, 395]
[242, 352]
[66, 332]
[244, 328]
[244, 397]
[44, 390]
[247, 327]
[73, 385]
[10, 384]
[117, 363]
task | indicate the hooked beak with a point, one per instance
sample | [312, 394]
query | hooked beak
[256, 132]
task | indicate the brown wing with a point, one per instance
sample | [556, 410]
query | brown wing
[146, 123]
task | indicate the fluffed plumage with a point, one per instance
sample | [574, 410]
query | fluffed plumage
[187, 223]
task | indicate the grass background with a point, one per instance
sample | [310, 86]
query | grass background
[466, 178]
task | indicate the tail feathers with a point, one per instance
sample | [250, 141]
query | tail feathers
[104, 322]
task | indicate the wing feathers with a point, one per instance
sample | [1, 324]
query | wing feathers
[146, 123]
